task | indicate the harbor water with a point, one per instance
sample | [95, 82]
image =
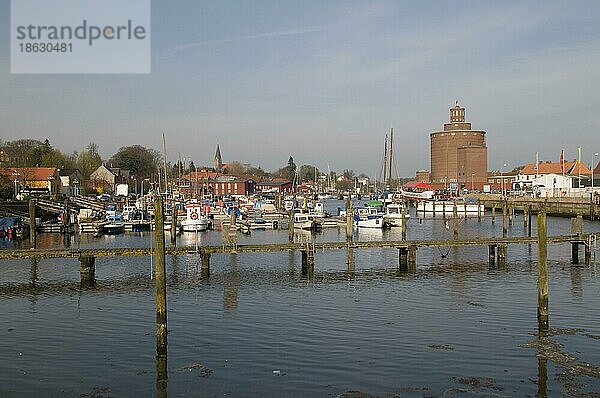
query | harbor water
[456, 327]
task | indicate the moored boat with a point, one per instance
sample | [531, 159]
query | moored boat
[195, 221]
[113, 228]
[367, 217]
[393, 215]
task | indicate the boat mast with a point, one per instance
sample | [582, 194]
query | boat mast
[165, 160]
[159, 182]
[385, 147]
[391, 154]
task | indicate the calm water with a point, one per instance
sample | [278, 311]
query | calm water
[256, 327]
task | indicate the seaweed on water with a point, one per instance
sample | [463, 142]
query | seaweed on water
[97, 392]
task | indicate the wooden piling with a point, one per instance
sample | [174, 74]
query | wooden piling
[308, 262]
[161, 280]
[574, 252]
[528, 221]
[542, 282]
[32, 228]
[412, 258]
[504, 219]
[502, 254]
[87, 270]
[291, 226]
[479, 211]
[174, 225]
[402, 259]
[511, 214]
[349, 220]
[232, 233]
[205, 261]
[525, 215]
[455, 220]
[443, 209]
[404, 205]
[310, 258]
[492, 254]
[493, 214]
[588, 254]
[66, 221]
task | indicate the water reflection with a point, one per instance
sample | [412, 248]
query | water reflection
[230, 286]
[576, 285]
[161, 376]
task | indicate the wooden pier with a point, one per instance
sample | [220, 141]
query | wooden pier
[558, 207]
[23, 254]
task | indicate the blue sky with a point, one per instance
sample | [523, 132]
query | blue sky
[324, 81]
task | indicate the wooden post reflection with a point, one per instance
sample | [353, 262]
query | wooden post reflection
[350, 261]
[161, 376]
[542, 366]
[33, 271]
[230, 286]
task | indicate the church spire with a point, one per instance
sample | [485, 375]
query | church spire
[218, 161]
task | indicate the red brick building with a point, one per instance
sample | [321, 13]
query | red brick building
[277, 186]
[458, 154]
[207, 182]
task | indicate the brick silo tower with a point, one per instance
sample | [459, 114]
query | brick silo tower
[458, 154]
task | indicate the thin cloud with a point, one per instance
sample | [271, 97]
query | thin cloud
[282, 33]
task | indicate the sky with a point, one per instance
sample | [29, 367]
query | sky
[323, 81]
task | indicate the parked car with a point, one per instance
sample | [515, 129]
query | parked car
[104, 197]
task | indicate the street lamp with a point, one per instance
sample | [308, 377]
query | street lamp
[15, 174]
[502, 179]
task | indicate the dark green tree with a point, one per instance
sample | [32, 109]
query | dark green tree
[88, 160]
[140, 161]
[307, 173]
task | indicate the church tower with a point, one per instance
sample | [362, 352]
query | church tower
[218, 161]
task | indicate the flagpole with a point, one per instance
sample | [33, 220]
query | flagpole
[579, 166]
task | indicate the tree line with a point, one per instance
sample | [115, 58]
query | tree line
[143, 163]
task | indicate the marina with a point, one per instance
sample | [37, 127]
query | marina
[219, 278]
[299, 199]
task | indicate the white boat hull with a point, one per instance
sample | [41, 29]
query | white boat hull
[376, 222]
[194, 225]
[448, 207]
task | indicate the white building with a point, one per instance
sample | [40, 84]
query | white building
[549, 185]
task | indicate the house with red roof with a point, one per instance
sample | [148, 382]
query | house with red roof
[34, 180]
[578, 172]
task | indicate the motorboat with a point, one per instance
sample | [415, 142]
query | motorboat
[393, 215]
[195, 220]
[113, 228]
[368, 217]
[306, 222]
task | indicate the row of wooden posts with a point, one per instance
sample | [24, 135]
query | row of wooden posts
[407, 262]
[407, 258]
